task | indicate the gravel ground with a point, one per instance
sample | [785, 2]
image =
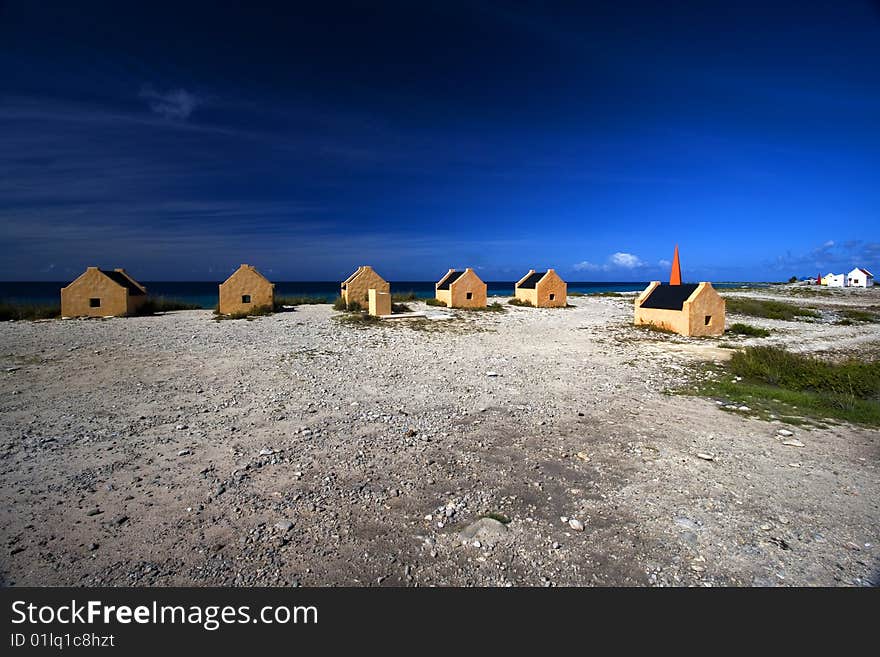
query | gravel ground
[297, 449]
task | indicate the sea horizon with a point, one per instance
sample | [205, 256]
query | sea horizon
[204, 293]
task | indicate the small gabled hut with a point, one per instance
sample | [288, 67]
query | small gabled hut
[685, 308]
[542, 289]
[102, 293]
[461, 289]
[245, 291]
[356, 288]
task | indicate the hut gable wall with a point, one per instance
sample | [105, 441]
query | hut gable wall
[551, 286]
[78, 298]
[244, 291]
[705, 309]
[467, 291]
[356, 287]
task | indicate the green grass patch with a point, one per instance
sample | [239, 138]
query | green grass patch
[15, 311]
[435, 302]
[857, 315]
[607, 294]
[786, 383]
[401, 297]
[520, 302]
[494, 307]
[748, 329]
[768, 309]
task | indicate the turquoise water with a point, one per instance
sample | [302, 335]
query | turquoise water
[204, 293]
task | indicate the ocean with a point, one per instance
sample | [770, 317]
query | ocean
[204, 293]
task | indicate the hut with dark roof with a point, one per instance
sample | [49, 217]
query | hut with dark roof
[461, 289]
[685, 308]
[245, 291]
[102, 293]
[542, 289]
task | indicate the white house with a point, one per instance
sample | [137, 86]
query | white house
[826, 279]
[859, 277]
[834, 280]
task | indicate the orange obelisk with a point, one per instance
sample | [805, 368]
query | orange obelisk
[675, 275]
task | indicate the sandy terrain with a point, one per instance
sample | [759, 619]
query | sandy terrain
[299, 450]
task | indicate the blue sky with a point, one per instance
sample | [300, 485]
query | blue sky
[179, 140]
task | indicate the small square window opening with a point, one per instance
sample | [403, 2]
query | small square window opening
[94, 303]
[470, 295]
[708, 320]
[245, 298]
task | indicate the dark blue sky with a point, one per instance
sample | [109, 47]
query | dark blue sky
[179, 140]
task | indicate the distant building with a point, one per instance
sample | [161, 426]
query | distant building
[246, 290]
[834, 280]
[356, 288]
[102, 293]
[461, 289]
[687, 309]
[543, 289]
[859, 277]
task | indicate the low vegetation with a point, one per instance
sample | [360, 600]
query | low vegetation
[358, 318]
[280, 302]
[521, 302]
[494, 307]
[435, 302]
[259, 311]
[851, 315]
[155, 305]
[400, 297]
[341, 306]
[655, 328]
[748, 329]
[809, 291]
[606, 294]
[783, 382]
[768, 309]
[15, 311]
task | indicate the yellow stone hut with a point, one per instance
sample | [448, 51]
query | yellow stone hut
[246, 291]
[102, 293]
[688, 309]
[461, 289]
[543, 289]
[356, 288]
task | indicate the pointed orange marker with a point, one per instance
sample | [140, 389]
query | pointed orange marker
[675, 275]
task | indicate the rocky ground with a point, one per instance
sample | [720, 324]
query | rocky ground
[297, 449]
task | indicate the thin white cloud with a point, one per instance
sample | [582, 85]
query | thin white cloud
[176, 104]
[616, 261]
[626, 260]
[663, 263]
